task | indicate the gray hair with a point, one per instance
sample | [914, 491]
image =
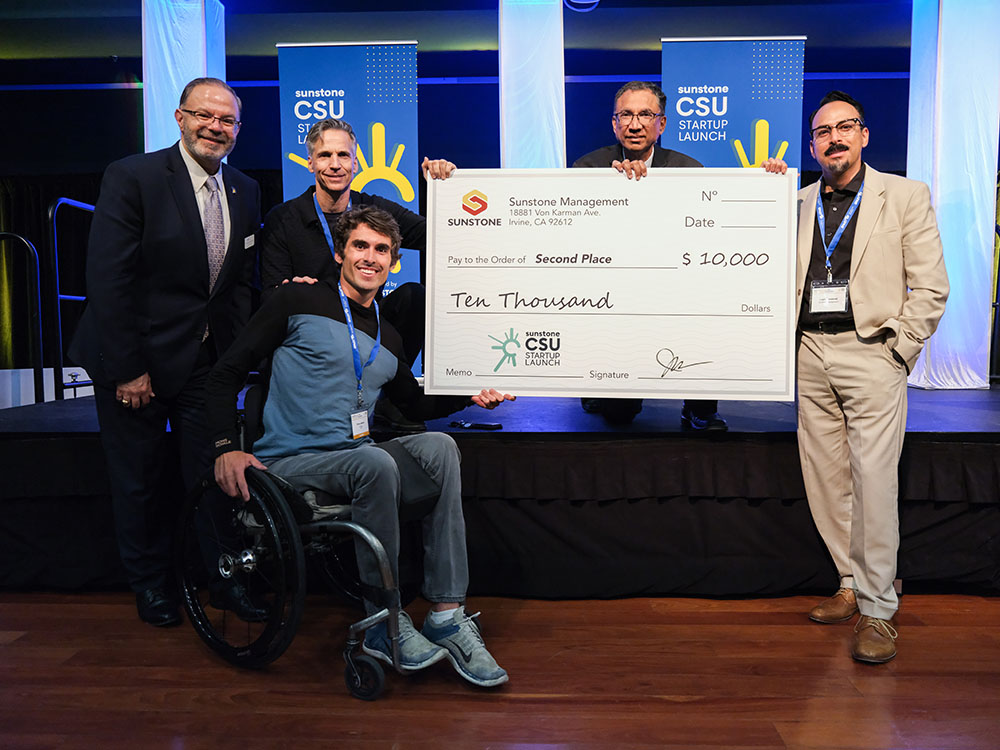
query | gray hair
[209, 82]
[642, 86]
[317, 130]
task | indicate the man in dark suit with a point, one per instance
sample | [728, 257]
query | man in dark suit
[637, 122]
[169, 267]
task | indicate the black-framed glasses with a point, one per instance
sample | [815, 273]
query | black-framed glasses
[844, 127]
[204, 118]
[645, 117]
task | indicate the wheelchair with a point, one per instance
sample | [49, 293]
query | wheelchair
[262, 546]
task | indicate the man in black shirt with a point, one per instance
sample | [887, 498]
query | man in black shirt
[638, 121]
[295, 242]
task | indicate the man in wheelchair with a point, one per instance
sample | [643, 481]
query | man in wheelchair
[331, 357]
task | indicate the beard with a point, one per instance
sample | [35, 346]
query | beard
[209, 150]
[841, 166]
[838, 167]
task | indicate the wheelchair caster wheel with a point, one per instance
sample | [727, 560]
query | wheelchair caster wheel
[366, 679]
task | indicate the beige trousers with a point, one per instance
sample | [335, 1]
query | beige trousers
[852, 419]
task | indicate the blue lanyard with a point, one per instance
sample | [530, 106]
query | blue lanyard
[359, 369]
[325, 225]
[821, 219]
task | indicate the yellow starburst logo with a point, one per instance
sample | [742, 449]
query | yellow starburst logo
[761, 145]
[378, 169]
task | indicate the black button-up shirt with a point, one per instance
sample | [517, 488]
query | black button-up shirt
[835, 206]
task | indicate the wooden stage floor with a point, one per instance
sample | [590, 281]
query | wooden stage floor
[81, 671]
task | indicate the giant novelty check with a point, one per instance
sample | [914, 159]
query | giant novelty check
[580, 282]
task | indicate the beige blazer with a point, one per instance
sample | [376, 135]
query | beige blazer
[898, 282]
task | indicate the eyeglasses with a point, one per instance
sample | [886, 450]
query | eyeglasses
[645, 117]
[204, 118]
[844, 127]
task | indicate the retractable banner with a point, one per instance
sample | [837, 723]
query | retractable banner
[371, 85]
[734, 101]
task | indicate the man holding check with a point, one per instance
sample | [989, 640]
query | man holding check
[296, 240]
[638, 121]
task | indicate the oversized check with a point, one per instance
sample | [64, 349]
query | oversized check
[580, 282]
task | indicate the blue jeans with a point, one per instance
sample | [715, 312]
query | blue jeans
[368, 476]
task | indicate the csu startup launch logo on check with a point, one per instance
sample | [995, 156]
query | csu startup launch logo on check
[474, 202]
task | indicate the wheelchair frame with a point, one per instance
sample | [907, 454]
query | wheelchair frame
[260, 547]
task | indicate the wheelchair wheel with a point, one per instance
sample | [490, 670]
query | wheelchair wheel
[256, 545]
[366, 679]
[333, 560]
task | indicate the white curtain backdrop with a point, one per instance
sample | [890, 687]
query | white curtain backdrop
[532, 91]
[952, 146]
[181, 40]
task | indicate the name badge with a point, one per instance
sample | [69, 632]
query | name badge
[248, 242]
[359, 424]
[828, 296]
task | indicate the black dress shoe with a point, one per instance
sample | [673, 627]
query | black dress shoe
[234, 598]
[616, 411]
[711, 423]
[157, 608]
[388, 418]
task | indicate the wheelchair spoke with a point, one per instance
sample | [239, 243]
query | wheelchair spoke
[257, 544]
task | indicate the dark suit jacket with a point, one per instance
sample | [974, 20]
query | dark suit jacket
[148, 297]
[662, 157]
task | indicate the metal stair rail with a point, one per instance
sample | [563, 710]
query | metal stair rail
[54, 303]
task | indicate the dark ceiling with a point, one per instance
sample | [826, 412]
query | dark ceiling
[46, 29]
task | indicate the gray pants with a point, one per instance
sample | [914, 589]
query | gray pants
[368, 476]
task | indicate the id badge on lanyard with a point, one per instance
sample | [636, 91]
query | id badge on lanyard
[831, 295]
[828, 296]
[359, 418]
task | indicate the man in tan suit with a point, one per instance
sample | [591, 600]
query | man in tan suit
[871, 285]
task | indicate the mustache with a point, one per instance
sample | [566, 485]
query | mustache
[835, 148]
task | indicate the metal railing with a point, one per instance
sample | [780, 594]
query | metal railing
[34, 315]
[56, 299]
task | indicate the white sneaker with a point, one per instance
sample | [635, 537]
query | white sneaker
[465, 648]
[415, 651]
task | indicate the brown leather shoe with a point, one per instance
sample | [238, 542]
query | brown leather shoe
[874, 640]
[840, 607]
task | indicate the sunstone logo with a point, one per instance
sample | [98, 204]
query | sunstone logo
[474, 202]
